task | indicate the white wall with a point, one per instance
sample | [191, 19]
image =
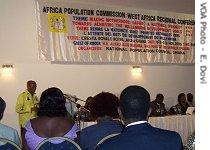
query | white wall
[18, 45]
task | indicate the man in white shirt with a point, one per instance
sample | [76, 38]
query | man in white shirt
[138, 133]
[6, 131]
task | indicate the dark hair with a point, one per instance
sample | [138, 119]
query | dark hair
[87, 102]
[52, 103]
[135, 103]
[190, 97]
[31, 82]
[158, 95]
[179, 97]
[2, 107]
[104, 104]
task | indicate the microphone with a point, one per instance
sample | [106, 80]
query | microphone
[73, 98]
[78, 105]
[82, 113]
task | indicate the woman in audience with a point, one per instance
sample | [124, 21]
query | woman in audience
[86, 110]
[190, 99]
[182, 105]
[104, 109]
[87, 102]
[52, 120]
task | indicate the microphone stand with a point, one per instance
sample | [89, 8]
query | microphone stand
[77, 117]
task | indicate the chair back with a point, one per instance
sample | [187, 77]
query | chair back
[58, 143]
[6, 144]
[107, 137]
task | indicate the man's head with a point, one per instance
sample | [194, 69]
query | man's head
[2, 107]
[31, 86]
[182, 98]
[159, 98]
[190, 97]
[134, 103]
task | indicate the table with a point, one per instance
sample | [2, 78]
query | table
[183, 124]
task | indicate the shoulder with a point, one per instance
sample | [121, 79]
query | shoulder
[168, 133]
[89, 129]
[8, 130]
[152, 102]
[118, 124]
[23, 94]
[177, 105]
[110, 143]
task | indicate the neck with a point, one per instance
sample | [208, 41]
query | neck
[30, 92]
[158, 102]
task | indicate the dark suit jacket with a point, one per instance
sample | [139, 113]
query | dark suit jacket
[91, 135]
[143, 137]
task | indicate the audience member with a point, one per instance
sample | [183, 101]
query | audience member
[104, 108]
[87, 102]
[52, 120]
[182, 105]
[27, 105]
[157, 106]
[139, 134]
[190, 100]
[84, 112]
[6, 131]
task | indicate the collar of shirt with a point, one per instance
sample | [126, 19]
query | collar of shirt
[135, 123]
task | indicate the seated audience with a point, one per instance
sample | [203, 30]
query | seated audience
[84, 112]
[103, 108]
[182, 105]
[138, 133]
[190, 99]
[6, 131]
[157, 106]
[87, 102]
[52, 120]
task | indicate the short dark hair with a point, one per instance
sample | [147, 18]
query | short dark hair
[87, 102]
[52, 103]
[190, 97]
[104, 104]
[2, 107]
[158, 95]
[135, 103]
[31, 82]
[179, 97]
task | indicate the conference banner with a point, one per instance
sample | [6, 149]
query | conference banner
[92, 33]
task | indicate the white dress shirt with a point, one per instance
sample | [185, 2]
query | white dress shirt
[135, 123]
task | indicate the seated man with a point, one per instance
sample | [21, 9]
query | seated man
[157, 106]
[190, 100]
[139, 134]
[6, 131]
[103, 108]
[181, 107]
